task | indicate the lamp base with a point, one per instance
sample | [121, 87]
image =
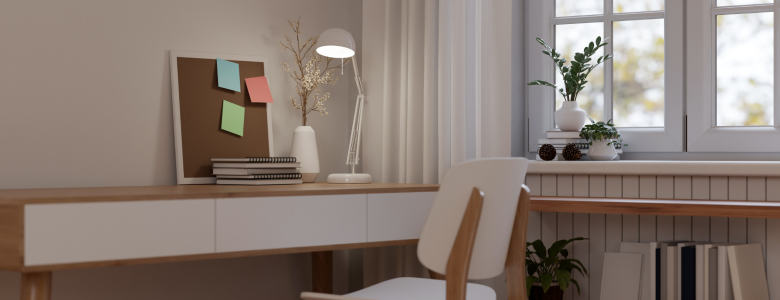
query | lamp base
[349, 178]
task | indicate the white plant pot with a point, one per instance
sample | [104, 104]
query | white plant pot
[304, 148]
[601, 151]
[570, 117]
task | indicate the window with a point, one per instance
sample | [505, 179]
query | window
[732, 76]
[641, 89]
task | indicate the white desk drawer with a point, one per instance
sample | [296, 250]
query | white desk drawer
[83, 232]
[245, 224]
[398, 216]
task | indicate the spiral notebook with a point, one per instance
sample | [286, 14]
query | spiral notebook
[266, 160]
[264, 176]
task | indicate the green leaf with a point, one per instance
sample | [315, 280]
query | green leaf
[564, 253]
[529, 282]
[532, 268]
[577, 284]
[547, 280]
[541, 251]
[575, 261]
[563, 277]
[541, 41]
[598, 40]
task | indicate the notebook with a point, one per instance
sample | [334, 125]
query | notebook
[257, 165]
[257, 160]
[221, 171]
[258, 181]
[264, 176]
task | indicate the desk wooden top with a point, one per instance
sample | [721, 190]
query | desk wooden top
[176, 192]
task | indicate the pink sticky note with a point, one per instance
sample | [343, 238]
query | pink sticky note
[259, 91]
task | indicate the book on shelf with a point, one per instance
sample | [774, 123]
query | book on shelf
[564, 142]
[263, 176]
[622, 276]
[649, 266]
[224, 171]
[748, 275]
[686, 270]
[725, 289]
[257, 165]
[558, 134]
[263, 160]
[258, 181]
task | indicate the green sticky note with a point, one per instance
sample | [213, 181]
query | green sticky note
[228, 76]
[232, 118]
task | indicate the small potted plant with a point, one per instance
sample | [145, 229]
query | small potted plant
[603, 139]
[549, 270]
[570, 117]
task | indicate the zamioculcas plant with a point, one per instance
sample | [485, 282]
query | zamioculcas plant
[549, 265]
[574, 75]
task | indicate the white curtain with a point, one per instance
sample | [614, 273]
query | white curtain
[438, 92]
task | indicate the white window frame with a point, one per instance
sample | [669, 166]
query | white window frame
[540, 101]
[703, 134]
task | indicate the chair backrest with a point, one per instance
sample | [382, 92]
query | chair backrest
[500, 179]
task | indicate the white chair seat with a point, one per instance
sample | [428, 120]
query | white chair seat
[406, 288]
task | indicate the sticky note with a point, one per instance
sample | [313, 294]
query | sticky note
[228, 76]
[232, 118]
[258, 89]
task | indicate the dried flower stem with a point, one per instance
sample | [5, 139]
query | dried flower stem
[309, 77]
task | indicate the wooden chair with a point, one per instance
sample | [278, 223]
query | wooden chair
[476, 229]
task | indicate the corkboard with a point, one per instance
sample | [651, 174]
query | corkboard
[199, 101]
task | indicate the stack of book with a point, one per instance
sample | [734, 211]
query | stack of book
[559, 139]
[257, 170]
[688, 270]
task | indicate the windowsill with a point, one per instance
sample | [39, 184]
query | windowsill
[640, 167]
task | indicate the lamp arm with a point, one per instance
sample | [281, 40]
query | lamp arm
[353, 154]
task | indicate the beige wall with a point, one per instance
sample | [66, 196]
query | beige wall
[85, 101]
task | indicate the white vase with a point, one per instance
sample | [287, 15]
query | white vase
[601, 151]
[304, 148]
[570, 117]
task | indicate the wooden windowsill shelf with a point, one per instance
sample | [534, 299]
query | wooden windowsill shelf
[748, 209]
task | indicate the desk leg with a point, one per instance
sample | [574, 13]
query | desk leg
[322, 271]
[36, 286]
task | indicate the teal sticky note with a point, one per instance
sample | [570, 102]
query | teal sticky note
[228, 76]
[232, 118]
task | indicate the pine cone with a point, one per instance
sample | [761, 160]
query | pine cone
[547, 152]
[572, 152]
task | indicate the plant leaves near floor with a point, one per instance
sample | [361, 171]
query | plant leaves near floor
[551, 265]
[574, 75]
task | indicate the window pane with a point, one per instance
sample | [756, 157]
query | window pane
[573, 38]
[626, 6]
[745, 70]
[638, 73]
[565, 8]
[742, 2]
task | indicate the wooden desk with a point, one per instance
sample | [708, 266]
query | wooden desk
[43, 230]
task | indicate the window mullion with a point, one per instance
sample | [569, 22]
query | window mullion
[776, 107]
[608, 13]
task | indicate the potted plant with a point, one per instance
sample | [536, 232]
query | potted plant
[549, 270]
[570, 117]
[603, 139]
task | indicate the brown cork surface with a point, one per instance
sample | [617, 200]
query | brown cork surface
[200, 102]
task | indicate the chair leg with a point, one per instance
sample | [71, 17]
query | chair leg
[435, 275]
[515, 261]
[322, 271]
[36, 286]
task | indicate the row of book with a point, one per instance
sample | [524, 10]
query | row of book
[681, 270]
[257, 170]
[559, 139]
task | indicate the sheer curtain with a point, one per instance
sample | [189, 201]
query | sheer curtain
[438, 92]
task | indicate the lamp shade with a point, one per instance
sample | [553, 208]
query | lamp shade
[336, 43]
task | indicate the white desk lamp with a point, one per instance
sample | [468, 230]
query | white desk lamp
[338, 43]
